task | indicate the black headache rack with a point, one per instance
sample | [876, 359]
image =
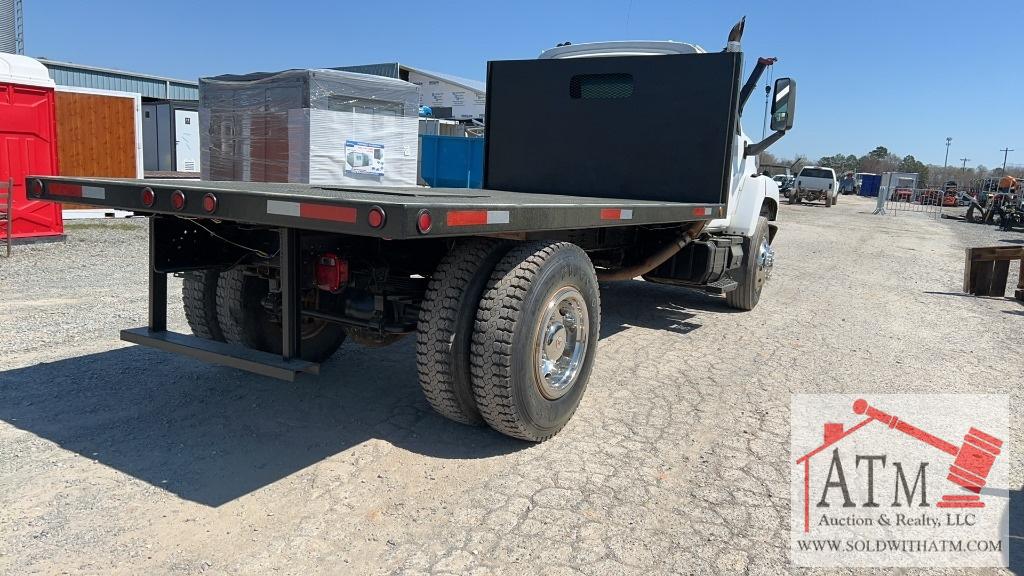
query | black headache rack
[641, 128]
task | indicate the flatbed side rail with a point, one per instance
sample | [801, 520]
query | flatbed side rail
[348, 210]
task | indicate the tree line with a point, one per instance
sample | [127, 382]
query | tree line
[882, 160]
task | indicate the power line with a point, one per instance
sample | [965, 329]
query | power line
[965, 161]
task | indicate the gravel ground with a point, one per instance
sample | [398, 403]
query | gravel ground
[121, 459]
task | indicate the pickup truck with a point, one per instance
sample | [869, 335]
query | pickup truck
[499, 285]
[815, 183]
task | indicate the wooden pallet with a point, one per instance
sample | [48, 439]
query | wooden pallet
[987, 267]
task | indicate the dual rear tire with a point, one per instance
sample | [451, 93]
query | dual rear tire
[522, 364]
[229, 306]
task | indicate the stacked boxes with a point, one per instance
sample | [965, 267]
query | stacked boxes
[309, 126]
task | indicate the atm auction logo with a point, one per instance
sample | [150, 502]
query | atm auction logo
[900, 480]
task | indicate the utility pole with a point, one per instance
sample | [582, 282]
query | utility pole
[965, 161]
[1006, 152]
[945, 162]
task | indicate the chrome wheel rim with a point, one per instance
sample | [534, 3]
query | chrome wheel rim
[561, 342]
[765, 262]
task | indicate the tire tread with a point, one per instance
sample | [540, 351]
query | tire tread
[437, 325]
[199, 299]
[499, 312]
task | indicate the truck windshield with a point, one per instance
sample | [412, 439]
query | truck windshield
[815, 173]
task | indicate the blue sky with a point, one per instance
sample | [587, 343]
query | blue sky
[900, 74]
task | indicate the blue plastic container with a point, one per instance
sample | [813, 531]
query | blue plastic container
[452, 161]
[869, 185]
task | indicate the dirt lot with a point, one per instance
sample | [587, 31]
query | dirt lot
[121, 459]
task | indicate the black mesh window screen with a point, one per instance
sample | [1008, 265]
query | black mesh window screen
[601, 86]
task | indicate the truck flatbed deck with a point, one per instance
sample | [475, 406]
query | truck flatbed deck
[345, 209]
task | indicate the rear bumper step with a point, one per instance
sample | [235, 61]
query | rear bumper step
[263, 363]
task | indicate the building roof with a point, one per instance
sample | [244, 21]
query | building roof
[149, 85]
[392, 70]
[474, 85]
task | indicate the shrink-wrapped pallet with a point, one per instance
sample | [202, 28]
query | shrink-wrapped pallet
[309, 126]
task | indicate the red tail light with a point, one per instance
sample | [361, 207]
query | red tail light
[331, 272]
[375, 217]
[148, 196]
[210, 203]
[178, 199]
[424, 222]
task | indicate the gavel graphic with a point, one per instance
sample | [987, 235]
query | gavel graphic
[972, 460]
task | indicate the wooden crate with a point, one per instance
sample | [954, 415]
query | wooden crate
[987, 267]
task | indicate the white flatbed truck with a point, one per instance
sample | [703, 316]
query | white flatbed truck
[499, 284]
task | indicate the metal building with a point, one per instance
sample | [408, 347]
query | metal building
[149, 86]
[449, 97]
[12, 34]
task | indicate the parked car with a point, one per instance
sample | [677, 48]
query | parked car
[815, 183]
[785, 183]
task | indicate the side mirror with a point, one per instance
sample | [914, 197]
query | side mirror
[783, 104]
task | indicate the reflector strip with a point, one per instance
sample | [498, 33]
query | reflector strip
[702, 211]
[94, 192]
[616, 214]
[283, 208]
[61, 189]
[309, 210]
[324, 212]
[476, 217]
[76, 191]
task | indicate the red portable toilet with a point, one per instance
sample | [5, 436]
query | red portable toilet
[28, 142]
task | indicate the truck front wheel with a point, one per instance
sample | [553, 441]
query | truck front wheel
[246, 320]
[445, 327]
[757, 267]
[535, 339]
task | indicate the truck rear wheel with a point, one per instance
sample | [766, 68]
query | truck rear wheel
[199, 297]
[245, 320]
[535, 339]
[759, 257]
[445, 327]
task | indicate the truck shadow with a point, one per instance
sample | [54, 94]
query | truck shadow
[211, 434]
[636, 303]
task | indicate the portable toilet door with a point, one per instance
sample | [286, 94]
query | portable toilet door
[186, 140]
[28, 142]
